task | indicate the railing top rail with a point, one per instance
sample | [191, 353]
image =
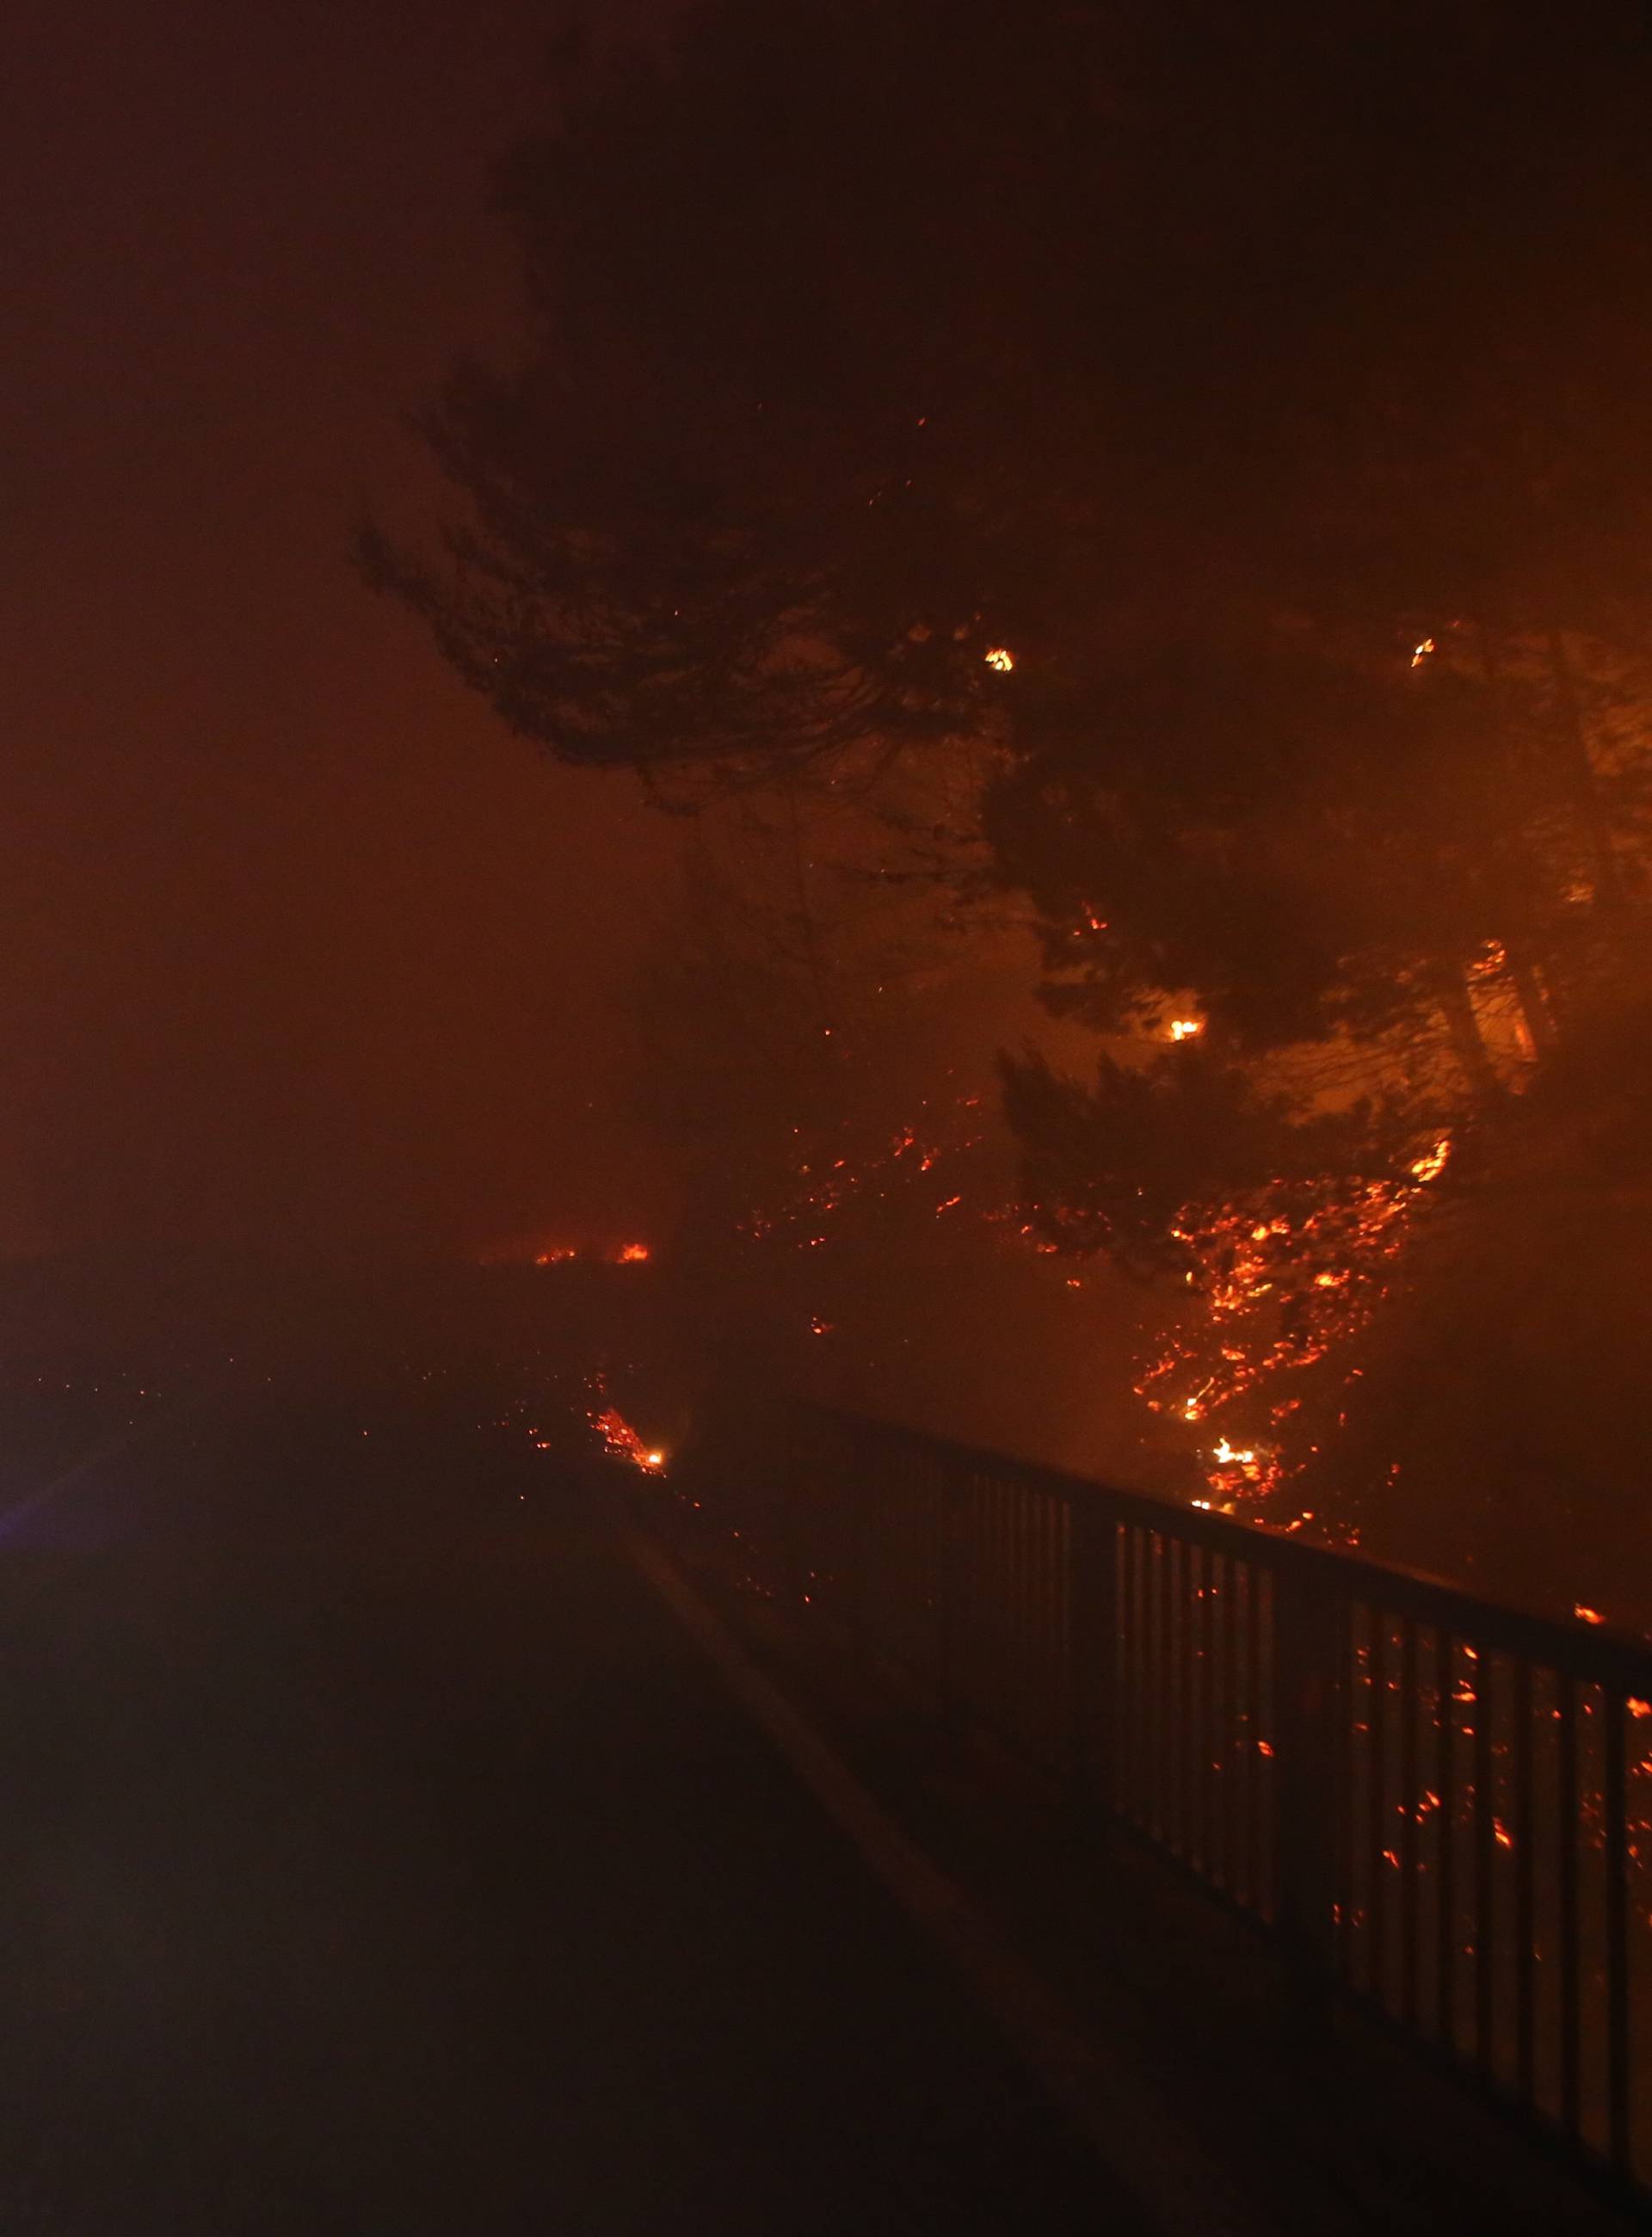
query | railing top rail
[1596, 1654]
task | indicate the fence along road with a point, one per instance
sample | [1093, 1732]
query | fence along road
[1440, 1806]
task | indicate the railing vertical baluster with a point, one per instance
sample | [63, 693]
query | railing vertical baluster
[1160, 1689]
[1348, 1801]
[1010, 1633]
[1030, 1722]
[1064, 1672]
[1484, 1854]
[1190, 1703]
[1227, 1631]
[1028, 1506]
[1095, 1736]
[1377, 1804]
[1409, 1800]
[1307, 1685]
[1203, 1687]
[1188, 1719]
[1041, 1642]
[994, 1565]
[1096, 1749]
[1445, 1954]
[1175, 1710]
[1618, 1932]
[1176, 1754]
[1020, 1542]
[1009, 1602]
[854, 1596]
[1123, 1744]
[1053, 1718]
[941, 1549]
[1525, 1834]
[1256, 1782]
[1566, 1828]
[1148, 1713]
[949, 1591]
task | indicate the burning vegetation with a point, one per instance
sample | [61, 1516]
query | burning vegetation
[1303, 720]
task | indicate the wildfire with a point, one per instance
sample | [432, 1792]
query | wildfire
[1429, 1166]
[620, 1441]
[1587, 1614]
[827, 1185]
[623, 1442]
[1185, 1029]
[1283, 1278]
[557, 1257]
[998, 656]
[1242, 1472]
[632, 1254]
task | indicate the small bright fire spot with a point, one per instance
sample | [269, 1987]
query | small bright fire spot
[1431, 1166]
[622, 1442]
[1185, 1029]
[632, 1254]
[1001, 657]
[1422, 651]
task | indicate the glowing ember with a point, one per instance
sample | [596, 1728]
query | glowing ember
[1002, 658]
[557, 1257]
[831, 1185]
[1282, 1277]
[1231, 1457]
[1422, 651]
[622, 1442]
[1431, 1166]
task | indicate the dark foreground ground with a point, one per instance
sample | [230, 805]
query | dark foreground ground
[377, 1855]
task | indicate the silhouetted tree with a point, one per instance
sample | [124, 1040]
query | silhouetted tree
[1230, 428]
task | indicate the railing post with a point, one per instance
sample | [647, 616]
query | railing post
[859, 1620]
[1310, 1649]
[1092, 1618]
[795, 1486]
[945, 1554]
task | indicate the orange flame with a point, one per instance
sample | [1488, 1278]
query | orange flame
[622, 1442]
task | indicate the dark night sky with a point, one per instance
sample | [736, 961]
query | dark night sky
[297, 942]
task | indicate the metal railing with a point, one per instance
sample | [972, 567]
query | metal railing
[1441, 1805]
